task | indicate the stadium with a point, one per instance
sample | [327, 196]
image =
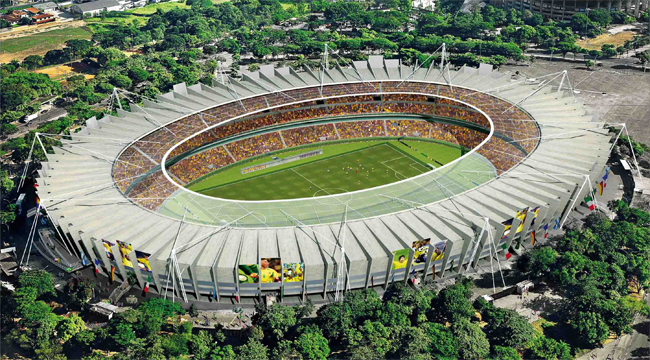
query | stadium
[315, 182]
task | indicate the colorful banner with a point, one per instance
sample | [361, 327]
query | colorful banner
[249, 274]
[535, 211]
[439, 251]
[109, 251]
[421, 248]
[293, 272]
[400, 259]
[271, 268]
[143, 260]
[521, 215]
[125, 250]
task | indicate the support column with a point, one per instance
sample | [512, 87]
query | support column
[636, 9]
[628, 6]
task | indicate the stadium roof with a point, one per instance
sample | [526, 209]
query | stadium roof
[76, 184]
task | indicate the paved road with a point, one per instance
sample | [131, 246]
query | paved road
[51, 115]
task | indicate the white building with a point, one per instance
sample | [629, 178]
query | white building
[93, 8]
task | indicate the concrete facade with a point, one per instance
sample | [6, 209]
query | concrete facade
[549, 180]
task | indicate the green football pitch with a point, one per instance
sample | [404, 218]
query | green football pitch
[341, 168]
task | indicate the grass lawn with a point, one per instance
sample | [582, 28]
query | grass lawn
[45, 41]
[151, 9]
[127, 20]
[352, 166]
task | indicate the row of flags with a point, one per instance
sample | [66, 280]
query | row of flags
[556, 224]
[590, 201]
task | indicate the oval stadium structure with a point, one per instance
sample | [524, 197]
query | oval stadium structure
[133, 193]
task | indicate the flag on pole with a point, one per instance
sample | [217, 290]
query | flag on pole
[112, 273]
[590, 202]
[35, 185]
[372, 281]
[557, 223]
[96, 266]
[532, 238]
[146, 285]
[504, 246]
[38, 200]
[601, 187]
[393, 278]
[545, 231]
[84, 261]
[605, 177]
[508, 255]
[237, 293]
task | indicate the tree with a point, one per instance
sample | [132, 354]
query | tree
[507, 328]
[79, 291]
[312, 345]
[472, 342]
[600, 16]
[193, 312]
[69, 327]
[201, 345]
[608, 50]
[121, 81]
[452, 303]
[275, 321]
[504, 353]
[539, 261]
[336, 318]
[84, 338]
[79, 47]
[32, 62]
[138, 74]
[8, 216]
[590, 327]
[252, 350]
[589, 64]
[549, 349]
[40, 280]
[153, 313]
[110, 54]
[443, 344]
[124, 334]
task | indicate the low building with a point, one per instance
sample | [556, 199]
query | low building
[104, 309]
[18, 13]
[32, 11]
[46, 7]
[43, 18]
[12, 20]
[95, 7]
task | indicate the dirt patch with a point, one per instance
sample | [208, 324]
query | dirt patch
[67, 70]
[617, 40]
[40, 42]
[35, 29]
[130, 53]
